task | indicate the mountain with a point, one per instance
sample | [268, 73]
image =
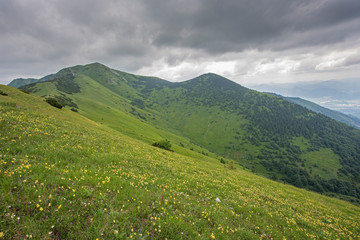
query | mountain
[341, 95]
[338, 116]
[19, 82]
[219, 118]
[64, 176]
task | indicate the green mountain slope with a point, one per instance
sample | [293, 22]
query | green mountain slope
[338, 116]
[19, 82]
[64, 176]
[261, 132]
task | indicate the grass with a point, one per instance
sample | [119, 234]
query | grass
[323, 163]
[103, 106]
[212, 116]
[63, 176]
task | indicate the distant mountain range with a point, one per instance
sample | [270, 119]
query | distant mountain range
[341, 95]
[262, 132]
[336, 115]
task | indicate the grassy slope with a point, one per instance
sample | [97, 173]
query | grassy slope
[224, 117]
[322, 162]
[64, 176]
[216, 120]
[103, 105]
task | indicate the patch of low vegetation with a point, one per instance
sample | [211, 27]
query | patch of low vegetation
[64, 82]
[164, 144]
[65, 101]
[3, 93]
[138, 103]
[25, 91]
[53, 102]
[231, 165]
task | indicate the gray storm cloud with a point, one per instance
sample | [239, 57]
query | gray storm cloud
[174, 38]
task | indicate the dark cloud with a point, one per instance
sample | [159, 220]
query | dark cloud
[130, 35]
[234, 25]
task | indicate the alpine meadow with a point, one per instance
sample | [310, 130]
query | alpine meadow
[95, 153]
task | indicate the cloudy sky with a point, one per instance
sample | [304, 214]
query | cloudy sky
[248, 41]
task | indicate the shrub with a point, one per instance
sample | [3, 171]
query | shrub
[231, 165]
[53, 102]
[164, 144]
[65, 101]
[2, 93]
[25, 91]
[222, 161]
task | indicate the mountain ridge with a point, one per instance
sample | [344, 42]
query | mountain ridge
[340, 95]
[263, 133]
[336, 115]
[64, 176]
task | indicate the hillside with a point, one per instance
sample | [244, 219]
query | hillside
[261, 132]
[64, 176]
[338, 116]
[341, 95]
[19, 82]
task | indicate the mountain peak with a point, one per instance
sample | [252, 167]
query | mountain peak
[96, 64]
[210, 74]
[213, 80]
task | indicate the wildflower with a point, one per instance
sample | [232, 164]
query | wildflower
[59, 206]
[1, 234]
[41, 209]
[212, 236]
[116, 232]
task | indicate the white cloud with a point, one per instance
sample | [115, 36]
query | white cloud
[337, 60]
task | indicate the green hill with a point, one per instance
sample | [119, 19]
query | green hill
[261, 132]
[64, 176]
[19, 82]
